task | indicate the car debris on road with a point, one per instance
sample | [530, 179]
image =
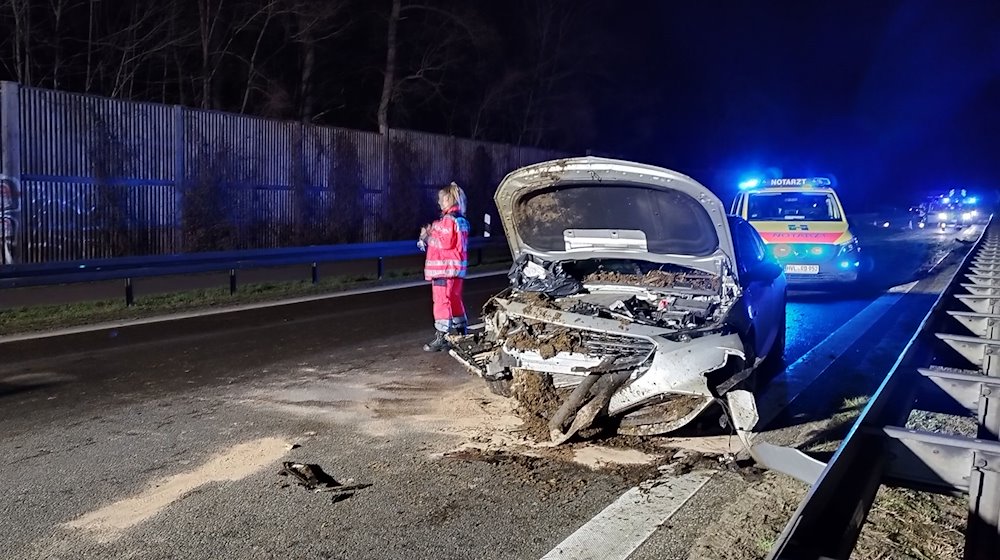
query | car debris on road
[314, 478]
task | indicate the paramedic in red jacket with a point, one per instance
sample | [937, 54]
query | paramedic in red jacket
[447, 244]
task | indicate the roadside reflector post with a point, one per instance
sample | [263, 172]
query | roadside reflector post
[381, 268]
[232, 281]
[315, 274]
[129, 294]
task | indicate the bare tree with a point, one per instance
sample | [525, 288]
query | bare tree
[267, 13]
[209, 21]
[88, 71]
[389, 77]
[59, 9]
[315, 22]
[438, 42]
[496, 100]
[21, 40]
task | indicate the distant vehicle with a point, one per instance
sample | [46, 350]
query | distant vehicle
[948, 212]
[804, 225]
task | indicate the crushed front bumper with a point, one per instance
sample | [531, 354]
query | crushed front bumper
[657, 368]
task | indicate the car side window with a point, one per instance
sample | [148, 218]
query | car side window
[761, 248]
[750, 248]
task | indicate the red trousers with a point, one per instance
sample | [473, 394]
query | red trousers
[449, 311]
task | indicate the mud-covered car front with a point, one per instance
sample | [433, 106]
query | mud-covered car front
[623, 294]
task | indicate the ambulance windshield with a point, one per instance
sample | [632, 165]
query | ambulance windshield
[812, 207]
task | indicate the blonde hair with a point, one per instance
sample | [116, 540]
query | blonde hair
[454, 194]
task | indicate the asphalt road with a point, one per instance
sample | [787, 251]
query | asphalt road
[165, 440]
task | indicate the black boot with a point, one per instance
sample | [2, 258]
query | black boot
[438, 344]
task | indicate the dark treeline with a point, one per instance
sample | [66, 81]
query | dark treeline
[515, 71]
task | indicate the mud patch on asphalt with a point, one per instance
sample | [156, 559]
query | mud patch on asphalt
[596, 456]
[552, 474]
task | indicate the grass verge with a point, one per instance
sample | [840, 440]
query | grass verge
[47, 317]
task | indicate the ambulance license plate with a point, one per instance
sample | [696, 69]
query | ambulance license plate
[801, 269]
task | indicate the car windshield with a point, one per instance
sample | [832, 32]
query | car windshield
[814, 207]
[671, 222]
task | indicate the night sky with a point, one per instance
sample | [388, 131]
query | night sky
[892, 98]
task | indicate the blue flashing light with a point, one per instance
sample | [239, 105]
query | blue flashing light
[845, 264]
[970, 200]
[946, 200]
[750, 184]
[857, 264]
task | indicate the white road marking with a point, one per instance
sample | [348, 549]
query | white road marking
[904, 288]
[110, 325]
[623, 526]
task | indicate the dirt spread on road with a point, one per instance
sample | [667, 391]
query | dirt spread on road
[236, 463]
[597, 456]
[552, 471]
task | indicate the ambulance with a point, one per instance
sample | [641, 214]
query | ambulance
[803, 223]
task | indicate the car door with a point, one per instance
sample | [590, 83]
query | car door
[777, 289]
[763, 285]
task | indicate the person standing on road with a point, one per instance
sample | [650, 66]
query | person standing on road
[446, 242]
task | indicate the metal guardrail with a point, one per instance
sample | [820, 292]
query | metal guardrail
[879, 450]
[128, 268]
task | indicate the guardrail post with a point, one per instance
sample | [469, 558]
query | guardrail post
[129, 295]
[315, 274]
[232, 281]
[381, 268]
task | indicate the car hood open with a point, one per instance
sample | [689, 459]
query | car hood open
[589, 207]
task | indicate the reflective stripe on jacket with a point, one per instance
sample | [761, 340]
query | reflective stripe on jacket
[447, 246]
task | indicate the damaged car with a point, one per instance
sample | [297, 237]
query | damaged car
[634, 294]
